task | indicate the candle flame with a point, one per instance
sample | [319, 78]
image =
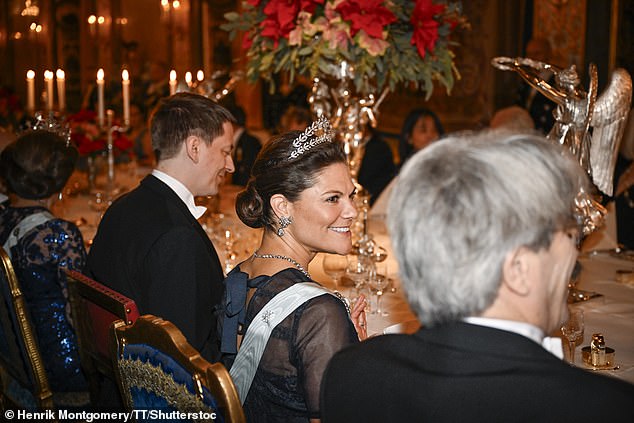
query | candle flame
[188, 78]
[125, 75]
[100, 75]
[48, 75]
[30, 74]
[60, 74]
[200, 75]
[172, 75]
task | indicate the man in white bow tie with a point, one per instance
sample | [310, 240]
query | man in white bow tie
[484, 230]
[149, 245]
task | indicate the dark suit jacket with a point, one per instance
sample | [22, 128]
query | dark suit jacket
[460, 372]
[245, 153]
[150, 248]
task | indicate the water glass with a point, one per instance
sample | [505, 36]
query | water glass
[335, 266]
[573, 330]
[379, 281]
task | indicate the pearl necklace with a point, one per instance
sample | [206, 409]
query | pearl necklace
[281, 257]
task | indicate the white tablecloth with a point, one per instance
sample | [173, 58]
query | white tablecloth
[612, 314]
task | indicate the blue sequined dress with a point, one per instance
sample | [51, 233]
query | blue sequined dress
[39, 259]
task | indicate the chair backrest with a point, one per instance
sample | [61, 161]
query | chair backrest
[158, 369]
[95, 307]
[23, 377]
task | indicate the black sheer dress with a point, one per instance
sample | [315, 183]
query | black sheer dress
[286, 385]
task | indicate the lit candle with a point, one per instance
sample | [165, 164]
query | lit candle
[61, 89]
[48, 79]
[173, 82]
[101, 110]
[200, 75]
[30, 91]
[125, 82]
[188, 79]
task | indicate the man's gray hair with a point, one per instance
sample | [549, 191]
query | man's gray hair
[465, 202]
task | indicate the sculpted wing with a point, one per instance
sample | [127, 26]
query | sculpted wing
[609, 119]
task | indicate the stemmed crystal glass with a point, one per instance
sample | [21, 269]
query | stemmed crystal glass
[357, 271]
[334, 266]
[572, 329]
[379, 281]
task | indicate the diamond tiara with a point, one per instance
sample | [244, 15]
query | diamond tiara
[51, 124]
[321, 130]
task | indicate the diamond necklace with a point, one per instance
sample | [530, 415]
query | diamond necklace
[281, 257]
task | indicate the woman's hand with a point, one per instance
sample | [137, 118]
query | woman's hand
[358, 317]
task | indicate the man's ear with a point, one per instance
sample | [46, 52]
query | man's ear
[280, 205]
[516, 271]
[192, 147]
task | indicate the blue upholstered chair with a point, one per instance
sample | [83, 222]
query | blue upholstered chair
[158, 369]
[23, 379]
[95, 308]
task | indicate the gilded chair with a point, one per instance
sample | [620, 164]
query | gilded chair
[95, 307]
[158, 369]
[23, 378]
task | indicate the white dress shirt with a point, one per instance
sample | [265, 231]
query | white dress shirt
[182, 192]
[551, 344]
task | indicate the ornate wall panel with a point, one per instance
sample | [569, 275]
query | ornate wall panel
[563, 23]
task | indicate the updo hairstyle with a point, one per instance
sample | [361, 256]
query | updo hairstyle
[274, 173]
[37, 164]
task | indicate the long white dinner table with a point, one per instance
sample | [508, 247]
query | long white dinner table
[611, 314]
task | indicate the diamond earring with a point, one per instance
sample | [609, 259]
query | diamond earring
[284, 222]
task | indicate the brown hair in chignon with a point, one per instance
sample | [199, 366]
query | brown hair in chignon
[37, 164]
[274, 173]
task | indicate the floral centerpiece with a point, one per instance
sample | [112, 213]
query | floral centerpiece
[90, 140]
[388, 42]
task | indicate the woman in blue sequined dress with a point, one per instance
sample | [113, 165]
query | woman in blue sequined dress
[33, 168]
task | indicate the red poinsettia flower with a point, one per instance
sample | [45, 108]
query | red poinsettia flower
[309, 5]
[370, 16]
[280, 20]
[83, 116]
[425, 26]
[247, 41]
[121, 142]
[86, 145]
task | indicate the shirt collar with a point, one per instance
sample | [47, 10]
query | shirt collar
[182, 192]
[521, 328]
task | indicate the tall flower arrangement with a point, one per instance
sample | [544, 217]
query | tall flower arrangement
[388, 42]
[91, 141]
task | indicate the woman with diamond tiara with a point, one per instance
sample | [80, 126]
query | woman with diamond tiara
[301, 193]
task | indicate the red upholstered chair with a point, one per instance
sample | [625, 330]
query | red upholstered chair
[95, 307]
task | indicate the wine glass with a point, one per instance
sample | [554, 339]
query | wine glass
[379, 281]
[357, 270]
[572, 329]
[335, 267]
